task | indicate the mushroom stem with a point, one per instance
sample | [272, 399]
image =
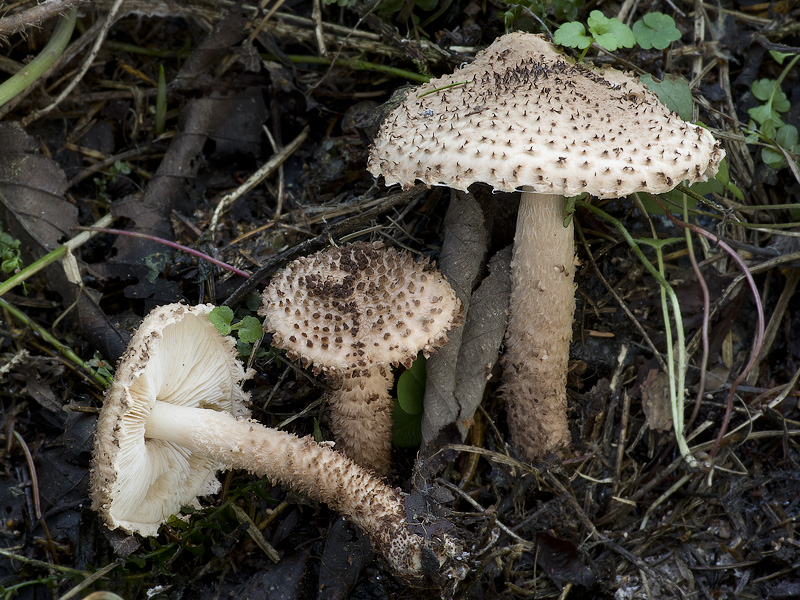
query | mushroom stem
[540, 326]
[361, 419]
[318, 471]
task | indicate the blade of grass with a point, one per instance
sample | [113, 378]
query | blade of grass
[51, 257]
[676, 379]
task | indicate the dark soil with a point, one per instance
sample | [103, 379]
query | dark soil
[620, 515]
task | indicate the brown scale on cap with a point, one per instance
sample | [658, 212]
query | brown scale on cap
[593, 109]
[352, 313]
[523, 117]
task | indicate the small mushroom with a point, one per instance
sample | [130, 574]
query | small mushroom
[175, 415]
[523, 117]
[352, 313]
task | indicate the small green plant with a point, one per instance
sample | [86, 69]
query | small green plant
[101, 366]
[120, 167]
[9, 253]
[408, 406]
[609, 33]
[767, 125]
[248, 329]
[654, 30]
[156, 263]
[673, 92]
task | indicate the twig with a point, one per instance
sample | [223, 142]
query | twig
[474, 503]
[316, 16]
[51, 257]
[76, 78]
[43, 564]
[99, 574]
[262, 173]
[37, 506]
[35, 16]
[65, 350]
[594, 532]
[171, 244]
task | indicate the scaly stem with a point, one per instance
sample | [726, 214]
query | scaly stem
[540, 326]
[317, 471]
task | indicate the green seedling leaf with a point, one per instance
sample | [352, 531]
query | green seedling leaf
[662, 243]
[249, 329]
[566, 10]
[610, 33]
[10, 253]
[773, 158]
[768, 119]
[156, 263]
[779, 57]
[656, 30]
[785, 137]
[673, 92]
[221, 317]
[406, 427]
[572, 35]
[408, 406]
[766, 89]
[411, 387]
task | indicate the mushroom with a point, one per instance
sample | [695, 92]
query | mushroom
[352, 313]
[523, 117]
[175, 415]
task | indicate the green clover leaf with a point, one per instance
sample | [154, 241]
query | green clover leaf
[572, 35]
[656, 30]
[249, 330]
[673, 92]
[221, 317]
[610, 33]
[764, 89]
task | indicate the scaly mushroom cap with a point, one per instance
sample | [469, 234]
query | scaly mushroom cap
[175, 356]
[523, 115]
[360, 306]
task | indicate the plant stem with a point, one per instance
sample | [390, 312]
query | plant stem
[353, 63]
[51, 257]
[43, 61]
[175, 245]
[65, 350]
[676, 380]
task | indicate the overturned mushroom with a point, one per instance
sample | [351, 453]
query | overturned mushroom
[352, 313]
[523, 117]
[175, 416]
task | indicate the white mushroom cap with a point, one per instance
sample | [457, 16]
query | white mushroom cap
[361, 306]
[176, 356]
[522, 115]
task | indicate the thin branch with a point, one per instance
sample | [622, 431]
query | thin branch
[35, 16]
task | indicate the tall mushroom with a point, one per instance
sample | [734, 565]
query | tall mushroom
[175, 415]
[523, 117]
[353, 312]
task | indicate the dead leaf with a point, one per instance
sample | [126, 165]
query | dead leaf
[34, 210]
[562, 562]
[466, 240]
[655, 400]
